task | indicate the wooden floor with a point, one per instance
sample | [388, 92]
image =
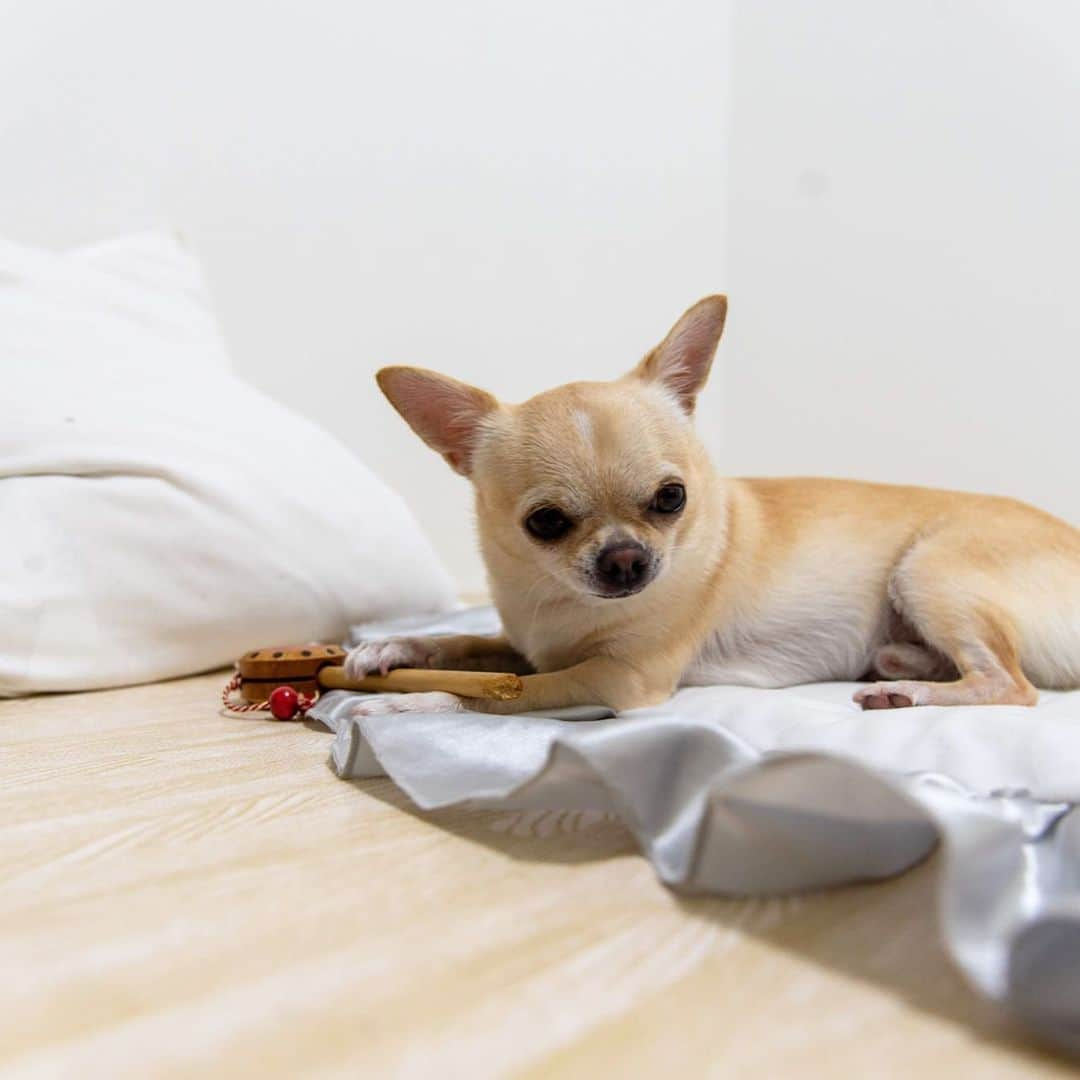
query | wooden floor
[185, 892]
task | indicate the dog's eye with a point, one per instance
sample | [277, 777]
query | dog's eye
[669, 499]
[548, 523]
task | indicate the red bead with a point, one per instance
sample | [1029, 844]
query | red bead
[284, 702]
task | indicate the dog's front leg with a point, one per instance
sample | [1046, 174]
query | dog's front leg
[600, 680]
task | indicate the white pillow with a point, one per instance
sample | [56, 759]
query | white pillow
[157, 515]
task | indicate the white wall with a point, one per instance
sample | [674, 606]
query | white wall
[523, 194]
[516, 194]
[905, 236]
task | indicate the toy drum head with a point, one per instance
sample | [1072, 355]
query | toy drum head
[261, 670]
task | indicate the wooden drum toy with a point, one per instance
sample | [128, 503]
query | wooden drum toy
[287, 678]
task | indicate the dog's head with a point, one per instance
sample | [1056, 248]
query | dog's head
[594, 486]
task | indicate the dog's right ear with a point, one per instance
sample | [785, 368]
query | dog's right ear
[445, 413]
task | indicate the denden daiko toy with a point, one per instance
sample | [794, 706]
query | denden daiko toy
[286, 680]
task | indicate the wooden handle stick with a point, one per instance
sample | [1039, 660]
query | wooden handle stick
[476, 684]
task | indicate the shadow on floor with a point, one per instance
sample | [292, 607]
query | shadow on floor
[883, 933]
[560, 836]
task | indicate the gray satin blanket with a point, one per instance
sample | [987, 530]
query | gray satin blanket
[755, 792]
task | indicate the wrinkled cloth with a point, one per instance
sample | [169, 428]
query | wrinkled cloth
[749, 792]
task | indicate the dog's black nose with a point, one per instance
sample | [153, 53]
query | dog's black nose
[623, 567]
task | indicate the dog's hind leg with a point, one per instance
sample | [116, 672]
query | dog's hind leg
[953, 605]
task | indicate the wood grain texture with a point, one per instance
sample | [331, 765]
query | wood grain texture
[184, 892]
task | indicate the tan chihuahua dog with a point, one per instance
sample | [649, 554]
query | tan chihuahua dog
[623, 566]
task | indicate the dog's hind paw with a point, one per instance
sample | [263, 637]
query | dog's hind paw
[893, 695]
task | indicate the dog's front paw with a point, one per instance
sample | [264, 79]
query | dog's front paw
[381, 704]
[379, 657]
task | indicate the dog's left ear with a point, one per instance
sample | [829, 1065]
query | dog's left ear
[681, 362]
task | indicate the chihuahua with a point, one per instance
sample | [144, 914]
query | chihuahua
[623, 566]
